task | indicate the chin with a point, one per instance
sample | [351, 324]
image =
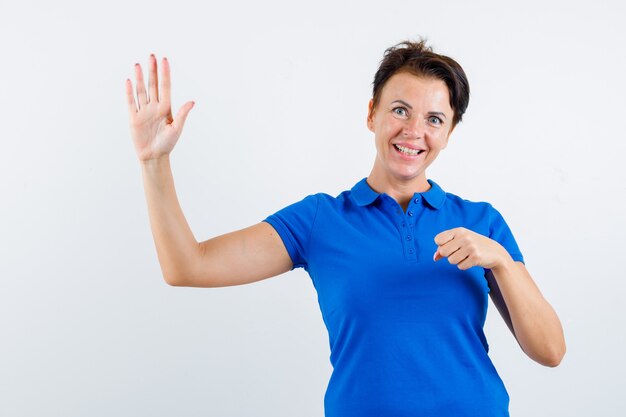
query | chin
[408, 176]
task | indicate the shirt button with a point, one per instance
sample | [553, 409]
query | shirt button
[416, 200]
[409, 237]
[410, 213]
[410, 250]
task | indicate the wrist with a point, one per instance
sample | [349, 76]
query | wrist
[155, 162]
[506, 263]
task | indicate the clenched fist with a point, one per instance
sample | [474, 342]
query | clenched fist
[465, 249]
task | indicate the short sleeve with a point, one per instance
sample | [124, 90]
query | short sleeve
[501, 233]
[294, 224]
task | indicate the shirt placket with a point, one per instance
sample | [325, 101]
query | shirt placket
[406, 225]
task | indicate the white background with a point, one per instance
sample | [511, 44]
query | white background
[87, 325]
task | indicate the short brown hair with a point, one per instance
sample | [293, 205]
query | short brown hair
[419, 59]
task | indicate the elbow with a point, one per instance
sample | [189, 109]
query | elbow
[551, 362]
[550, 353]
[188, 280]
[181, 271]
[553, 357]
[175, 280]
[171, 281]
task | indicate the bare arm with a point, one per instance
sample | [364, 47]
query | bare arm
[236, 258]
[498, 300]
[534, 322]
[528, 314]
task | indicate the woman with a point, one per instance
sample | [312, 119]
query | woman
[406, 330]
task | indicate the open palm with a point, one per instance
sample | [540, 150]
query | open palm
[152, 127]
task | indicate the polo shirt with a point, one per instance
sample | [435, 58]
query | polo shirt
[406, 333]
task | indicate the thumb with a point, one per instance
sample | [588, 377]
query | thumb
[437, 256]
[181, 116]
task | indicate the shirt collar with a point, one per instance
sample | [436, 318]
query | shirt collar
[363, 194]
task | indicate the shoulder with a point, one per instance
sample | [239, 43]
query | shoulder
[326, 200]
[309, 206]
[317, 199]
[484, 218]
[478, 215]
[457, 203]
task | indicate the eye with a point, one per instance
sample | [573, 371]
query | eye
[435, 120]
[400, 111]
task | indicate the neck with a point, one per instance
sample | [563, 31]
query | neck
[400, 189]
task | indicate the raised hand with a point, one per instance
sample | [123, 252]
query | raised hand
[152, 127]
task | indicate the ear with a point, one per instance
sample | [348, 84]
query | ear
[370, 115]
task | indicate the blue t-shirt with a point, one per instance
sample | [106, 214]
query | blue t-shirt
[406, 333]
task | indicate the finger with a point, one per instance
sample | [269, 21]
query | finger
[153, 90]
[466, 263]
[141, 88]
[446, 250]
[444, 237]
[181, 116]
[449, 248]
[165, 82]
[458, 256]
[130, 97]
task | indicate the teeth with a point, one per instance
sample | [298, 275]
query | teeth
[408, 151]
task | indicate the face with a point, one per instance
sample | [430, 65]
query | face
[412, 123]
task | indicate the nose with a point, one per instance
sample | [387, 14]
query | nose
[414, 128]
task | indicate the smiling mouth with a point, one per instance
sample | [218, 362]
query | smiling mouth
[408, 151]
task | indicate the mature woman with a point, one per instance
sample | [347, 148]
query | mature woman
[406, 329]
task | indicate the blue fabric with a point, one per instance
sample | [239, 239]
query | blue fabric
[406, 333]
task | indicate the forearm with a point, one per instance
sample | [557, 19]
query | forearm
[177, 248]
[536, 325]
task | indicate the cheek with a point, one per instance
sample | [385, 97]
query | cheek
[391, 130]
[380, 142]
[438, 140]
[385, 132]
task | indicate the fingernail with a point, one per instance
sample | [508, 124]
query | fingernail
[434, 257]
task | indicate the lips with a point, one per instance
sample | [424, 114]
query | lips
[406, 150]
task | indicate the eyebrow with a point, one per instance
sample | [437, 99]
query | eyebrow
[403, 102]
[436, 113]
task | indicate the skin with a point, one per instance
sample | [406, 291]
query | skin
[235, 258]
[421, 119]
[153, 128]
[415, 112]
